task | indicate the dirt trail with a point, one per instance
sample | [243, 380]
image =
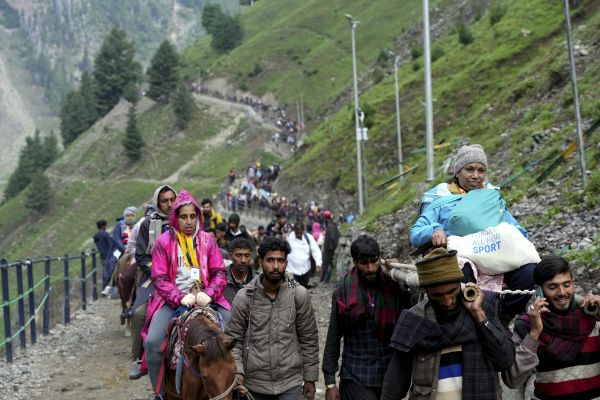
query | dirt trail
[90, 358]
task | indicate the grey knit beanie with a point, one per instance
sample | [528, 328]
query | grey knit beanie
[131, 210]
[469, 154]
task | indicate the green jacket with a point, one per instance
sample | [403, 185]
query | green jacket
[277, 344]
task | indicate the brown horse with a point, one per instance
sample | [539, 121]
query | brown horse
[123, 267]
[209, 368]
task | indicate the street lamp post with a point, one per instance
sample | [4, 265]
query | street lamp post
[358, 132]
[428, 94]
[398, 131]
[575, 93]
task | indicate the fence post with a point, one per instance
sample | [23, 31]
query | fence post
[66, 285]
[46, 317]
[83, 283]
[94, 281]
[21, 305]
[32, 326]
[6, 300]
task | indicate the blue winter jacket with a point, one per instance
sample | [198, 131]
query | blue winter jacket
[117, 238]
[433, 218]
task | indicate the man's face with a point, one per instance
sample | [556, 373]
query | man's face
[273, 265]
[187, 218]
[299, 231]
[261, 232]
[559, 291]
[233, 225]
[368, 268]
[165, 202]
[444, 297]
[220, 235]
[471, 176]
[241, 259]
[281, 221]
[206, 207]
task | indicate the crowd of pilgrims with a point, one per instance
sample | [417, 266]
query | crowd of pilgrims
[442, 346]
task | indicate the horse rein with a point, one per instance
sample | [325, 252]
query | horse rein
[234, 386]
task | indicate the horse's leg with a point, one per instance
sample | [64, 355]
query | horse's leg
[170, 388]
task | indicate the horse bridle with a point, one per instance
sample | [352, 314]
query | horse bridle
[234, 385]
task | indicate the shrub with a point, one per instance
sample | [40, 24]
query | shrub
[464, 35]
[416, 51]
[497, 11]
[437, 53]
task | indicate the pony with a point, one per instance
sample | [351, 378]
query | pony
[209, 368]
[123, 265]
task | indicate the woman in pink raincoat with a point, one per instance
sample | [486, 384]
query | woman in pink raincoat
[187, 269]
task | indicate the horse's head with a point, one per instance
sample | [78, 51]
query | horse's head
[209, 352]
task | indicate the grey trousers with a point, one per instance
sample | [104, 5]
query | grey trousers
[137, 323]
[156, 336]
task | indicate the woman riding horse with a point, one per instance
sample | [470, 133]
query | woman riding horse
[187, 269]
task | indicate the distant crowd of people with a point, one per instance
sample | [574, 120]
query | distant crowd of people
[288, 130]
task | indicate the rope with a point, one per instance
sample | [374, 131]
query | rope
[22, 296]
[29, 321]
[225, 393]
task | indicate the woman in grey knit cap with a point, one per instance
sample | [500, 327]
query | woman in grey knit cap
[470, 169]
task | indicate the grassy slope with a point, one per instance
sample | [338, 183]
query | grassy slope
[304, 47]
[473, 86]
[93, 180]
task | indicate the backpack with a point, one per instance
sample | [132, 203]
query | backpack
[476, 210]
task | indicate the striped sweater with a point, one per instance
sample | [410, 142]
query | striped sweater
[578, 379]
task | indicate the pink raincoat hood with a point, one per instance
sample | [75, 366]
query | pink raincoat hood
[182, 199]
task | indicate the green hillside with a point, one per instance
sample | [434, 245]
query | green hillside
[510, 83]
[304, 47]
[93, 179]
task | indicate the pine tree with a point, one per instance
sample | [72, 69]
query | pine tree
[162, 73]
[39, 194]
[228, 34]
[33, 157]
[183, 107]
[73, 117]
[114, 68]
[87, 91]
[50, 150]
[211, 14]
[133, 141]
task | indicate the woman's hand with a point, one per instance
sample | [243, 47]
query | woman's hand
[202, 299]
[188, 300]
[438, 239]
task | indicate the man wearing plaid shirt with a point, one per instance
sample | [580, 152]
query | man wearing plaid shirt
[364, 310]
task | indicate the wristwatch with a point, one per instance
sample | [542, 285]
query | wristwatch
[330, 386]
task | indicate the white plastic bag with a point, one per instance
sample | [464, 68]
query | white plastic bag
[495, 250]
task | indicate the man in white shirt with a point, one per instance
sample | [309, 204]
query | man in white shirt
[303, 248]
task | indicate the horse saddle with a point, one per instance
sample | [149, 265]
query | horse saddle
[178, 329]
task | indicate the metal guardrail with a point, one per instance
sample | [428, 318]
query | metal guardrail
[33, 308]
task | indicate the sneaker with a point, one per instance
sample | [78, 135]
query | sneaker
[127, 313]
[106, 291]
[136, 370]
